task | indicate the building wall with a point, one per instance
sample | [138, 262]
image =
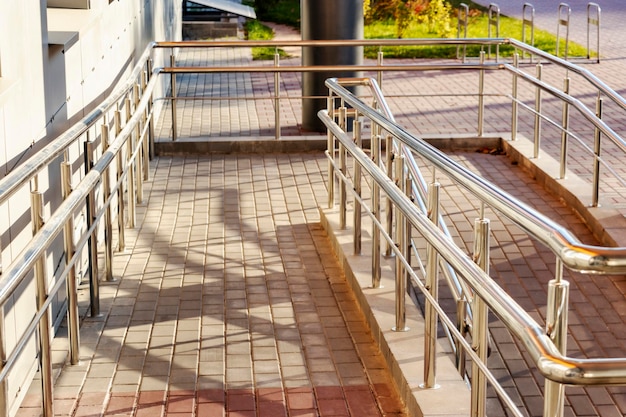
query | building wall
[55, 66]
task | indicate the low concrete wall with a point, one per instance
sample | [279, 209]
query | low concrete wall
[403, 351]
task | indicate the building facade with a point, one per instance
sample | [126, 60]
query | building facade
[58, 60]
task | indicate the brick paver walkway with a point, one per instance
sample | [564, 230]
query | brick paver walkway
[229, 303]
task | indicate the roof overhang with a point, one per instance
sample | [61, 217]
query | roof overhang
[228, 6]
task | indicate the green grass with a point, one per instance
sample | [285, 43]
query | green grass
[477, 28]
[256, 31]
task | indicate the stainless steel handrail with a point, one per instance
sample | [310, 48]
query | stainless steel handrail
[573, 253]
[549, 361]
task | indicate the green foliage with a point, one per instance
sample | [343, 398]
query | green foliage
[256, 31]
[477, 28]
[279, 11]
[439, 19]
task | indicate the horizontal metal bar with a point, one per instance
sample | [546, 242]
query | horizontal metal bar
[331, 68]
[341, 42]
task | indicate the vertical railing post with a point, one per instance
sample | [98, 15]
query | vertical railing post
[150, 115]
[342, 167]
[493, 9]
[462, 17]
[402, 245]
[45, 360]
[357, 127]
[537, 138]
[138, 149]
[277, 96]
[597, 147]
[481, 96]
[564, 134]
[70, 250]
[108, 218]
[4, 392]
[121, 236]
[376, 267]
[173, 89]
[593, 21]
[408, 229]
[563, 21]
[331, 153]
[379, 74]
[515, 104]
[461, 325]
[92, 243]
[528, 22]
[480, 330]
[389, 157]
[145, 141]
[556, 329]
[130, 175]
[432, 285]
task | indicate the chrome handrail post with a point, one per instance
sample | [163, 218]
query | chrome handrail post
[121, 236]
[149, 110]
[432, 285]
[331, 152]
[277, 96]
[379, 62]
[130, 175]
[145, 141]
[481, 96]
[462, 17]
[493, 8]
[73, 318]
[94, 290]
[342, 168]
[563, 21]
[597, 143]
[45, 359]
[537, 138]
[556, 329]
[564, 135]
[480, 332]
[376, 253]
[515, 104]
[108, 218]
[357, 127]
[389, 158]
[4, 390]
[531, 22]
[173, 100]
[402, 246]
[596, 22]
[136, 142]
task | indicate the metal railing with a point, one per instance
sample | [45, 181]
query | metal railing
[120, 129]
[116, 140]
[546, 346]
